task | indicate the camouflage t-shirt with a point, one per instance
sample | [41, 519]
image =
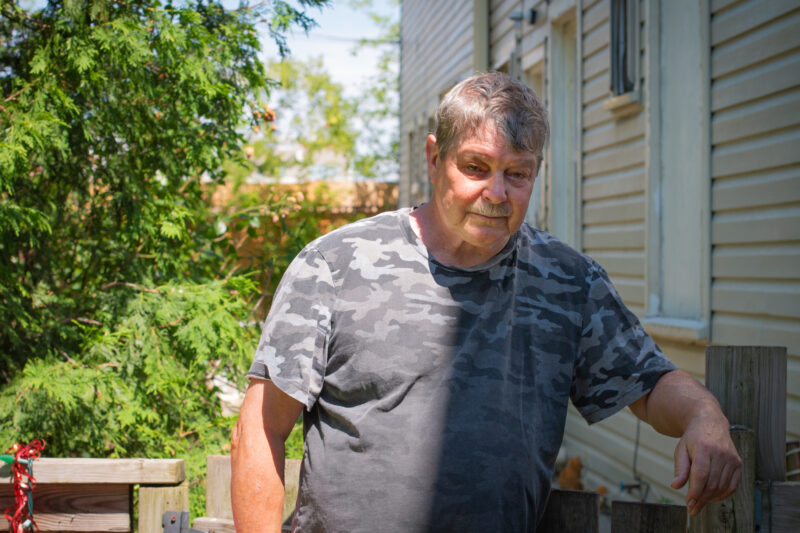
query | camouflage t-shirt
[436, 396]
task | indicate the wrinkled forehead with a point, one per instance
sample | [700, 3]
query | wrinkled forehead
[488, 133]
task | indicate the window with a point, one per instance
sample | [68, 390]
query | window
[624, 46]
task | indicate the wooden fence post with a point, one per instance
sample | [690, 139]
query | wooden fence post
[570, 511]
[735, 514]
[636, 517]
[155, 501]
[750, 384]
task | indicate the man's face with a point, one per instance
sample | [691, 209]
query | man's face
[481, 189]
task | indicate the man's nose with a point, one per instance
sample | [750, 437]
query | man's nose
[495, 190]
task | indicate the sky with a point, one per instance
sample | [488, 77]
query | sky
[339, 28]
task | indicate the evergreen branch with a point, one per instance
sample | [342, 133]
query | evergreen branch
[128, 284]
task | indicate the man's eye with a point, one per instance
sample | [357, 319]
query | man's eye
[518, 175]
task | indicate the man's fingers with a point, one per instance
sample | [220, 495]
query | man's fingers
[698, 476]
[682, 465]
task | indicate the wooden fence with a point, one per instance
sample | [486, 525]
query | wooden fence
[97, 494]
[749, 382]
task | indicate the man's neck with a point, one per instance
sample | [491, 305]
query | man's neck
[447, 251]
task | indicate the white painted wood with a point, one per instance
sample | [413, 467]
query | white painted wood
[769, 151]
[755, 118]
[761, 45]
[764, 80]
[613, 237]
[595, 15]
[596, 90]
[764, 189]
[596, 65]
[759, 261]
[608, 135]
[757, 330]
[615, 159]
[621, 263]
[627, 209]
[685, 152]
[719, 5]
[751, 15]
[757, 297]
[562, 179]
[596, 40]
[757, 227]
[622, 183]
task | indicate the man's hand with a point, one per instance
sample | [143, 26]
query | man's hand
[679, 406]
[707, 458]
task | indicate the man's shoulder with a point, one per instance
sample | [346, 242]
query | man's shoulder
[543, 250]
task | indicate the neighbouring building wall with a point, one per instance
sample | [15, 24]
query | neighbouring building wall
[437, 52]
[686, 190]
[755, 180]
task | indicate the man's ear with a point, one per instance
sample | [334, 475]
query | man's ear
[432, 154]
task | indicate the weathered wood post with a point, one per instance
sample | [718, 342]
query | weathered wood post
[750, 384]
[735, 514]
[636, 517]
[570, 511]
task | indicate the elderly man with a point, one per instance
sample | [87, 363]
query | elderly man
[435, 349]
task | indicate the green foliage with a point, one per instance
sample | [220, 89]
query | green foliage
[118, 302]
[319, 121]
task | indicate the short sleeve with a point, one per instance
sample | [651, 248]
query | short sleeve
[618, 362]
[292, 352]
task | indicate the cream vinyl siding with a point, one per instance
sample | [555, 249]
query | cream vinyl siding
[613, 173]
[755, 173]
[613, 194]
[432, 60]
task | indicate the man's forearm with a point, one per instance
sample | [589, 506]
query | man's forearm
[677, 400]
[257, 468]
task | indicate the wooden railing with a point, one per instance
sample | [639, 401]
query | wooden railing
[97, 494]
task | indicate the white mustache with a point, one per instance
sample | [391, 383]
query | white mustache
[492, 210]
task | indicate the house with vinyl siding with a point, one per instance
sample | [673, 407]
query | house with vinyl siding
[674, 162]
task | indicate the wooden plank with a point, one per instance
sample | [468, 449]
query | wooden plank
[627, 209]
[757, 118]
[743, 329]
[626, 156]
[155, 501]
[621, 263]
[785, 507]
[631, 290]
[628, 129]
[595, 115]
[757, 298]
[760, 226]
[214, 525]
[76, 506]
[756, 83]
[595, 16]
[724, 28]
[736, 513]
[218, 486]
[762, 262]
[780, 37]
[625, 183]
[636, 517]
[596, 65]
[596, 40]
[291, 486]
[750, 384]
[769, 152]
[82, 470]
[719, 5]
[570, 511]
[762, 190]
[596, 90]
[617, 237]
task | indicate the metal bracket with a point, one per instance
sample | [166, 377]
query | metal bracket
[177, 522]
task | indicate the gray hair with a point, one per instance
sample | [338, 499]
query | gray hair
[492, 97]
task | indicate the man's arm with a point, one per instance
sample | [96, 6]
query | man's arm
[257, 456]
[679, 406]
